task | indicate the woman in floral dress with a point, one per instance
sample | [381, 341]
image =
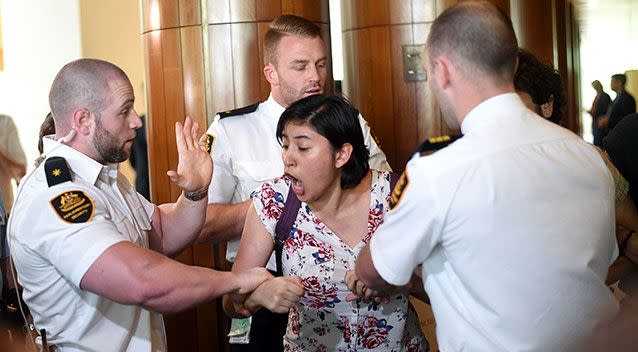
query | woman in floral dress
[342, 204]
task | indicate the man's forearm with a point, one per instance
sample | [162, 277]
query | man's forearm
[224, 222]
[181, 223]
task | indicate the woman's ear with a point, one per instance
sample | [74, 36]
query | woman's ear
[547, 109]
[343, 155]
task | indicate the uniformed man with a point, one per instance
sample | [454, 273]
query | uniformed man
[246, 152]
[91, 253]
[513, 254]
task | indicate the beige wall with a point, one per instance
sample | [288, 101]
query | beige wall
[111, 30]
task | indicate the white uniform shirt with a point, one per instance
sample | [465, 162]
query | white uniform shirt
[514, 226]
[246, 152]
[52, 256]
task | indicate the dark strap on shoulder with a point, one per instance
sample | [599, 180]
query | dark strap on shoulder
[287, 220]
[284, 226]
[57, 170]
[394, 178]
[240, 111]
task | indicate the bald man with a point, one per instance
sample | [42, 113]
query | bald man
[513, 254]
[91, 253]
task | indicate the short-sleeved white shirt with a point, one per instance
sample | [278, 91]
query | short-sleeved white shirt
[52, 255]
[246, 153]
[514, 226]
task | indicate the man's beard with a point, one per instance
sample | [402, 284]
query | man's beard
[108, 146]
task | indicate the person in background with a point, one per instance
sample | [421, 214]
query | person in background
[246, 152]
[139, 160]
[513, 252]
[623, 105]
[92, 255]
[599, 108]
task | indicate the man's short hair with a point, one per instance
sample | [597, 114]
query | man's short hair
[541, 82]
[620, 77]
[82, 83]
[286, 25]
[475, 35]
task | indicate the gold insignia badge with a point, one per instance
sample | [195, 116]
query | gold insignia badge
[73, 207]
[397, 192]
[56, 172]
[439, 139]
[210, 139]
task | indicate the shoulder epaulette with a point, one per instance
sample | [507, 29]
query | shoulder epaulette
[240, 111]
[436, 143]
[57, 170]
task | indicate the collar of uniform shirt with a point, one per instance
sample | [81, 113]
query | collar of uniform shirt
[492, 110]
[81, 165]
[273, 107]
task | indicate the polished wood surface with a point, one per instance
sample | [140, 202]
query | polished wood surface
[400, 113]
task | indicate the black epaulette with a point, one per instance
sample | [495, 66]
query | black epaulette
[436, 143]
[57, 170]
[240, 111]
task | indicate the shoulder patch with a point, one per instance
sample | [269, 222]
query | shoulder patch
[57, 170]
[210, 139]
[240, 111]
[436, 143]
[73, 207]
[397, 192]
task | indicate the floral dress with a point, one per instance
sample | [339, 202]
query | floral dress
[323, 320]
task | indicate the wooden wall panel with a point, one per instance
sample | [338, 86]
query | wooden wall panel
[193, 75]
[189, 13]
[400, 113]
[222, 89]
[246, 64]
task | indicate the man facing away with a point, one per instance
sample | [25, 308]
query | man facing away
[598, 110]
[246, 152]
[513, 254]
[623, 105]
[91, 253]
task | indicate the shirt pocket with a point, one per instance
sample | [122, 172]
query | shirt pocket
[251, 174]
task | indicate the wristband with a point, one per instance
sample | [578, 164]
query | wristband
[195, 195]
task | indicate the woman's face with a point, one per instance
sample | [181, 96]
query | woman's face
[310, 161]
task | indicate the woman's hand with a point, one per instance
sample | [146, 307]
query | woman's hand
[277, 295]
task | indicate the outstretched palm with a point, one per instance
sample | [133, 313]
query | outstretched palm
[195, 166]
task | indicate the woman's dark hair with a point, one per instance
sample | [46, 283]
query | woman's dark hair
[337, 120]
[47, 128]
[541, 82]
[622, 146]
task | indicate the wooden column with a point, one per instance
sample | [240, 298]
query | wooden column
[201, 57]
[400, 113]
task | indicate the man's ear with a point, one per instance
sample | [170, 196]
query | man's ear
[343, 155]
[443, 71]
[271, 74]
[82, 121]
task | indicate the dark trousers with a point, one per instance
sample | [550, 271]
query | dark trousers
[266, 333]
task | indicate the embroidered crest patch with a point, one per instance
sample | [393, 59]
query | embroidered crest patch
[73, 207]
[397, 192]
[210, 139]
